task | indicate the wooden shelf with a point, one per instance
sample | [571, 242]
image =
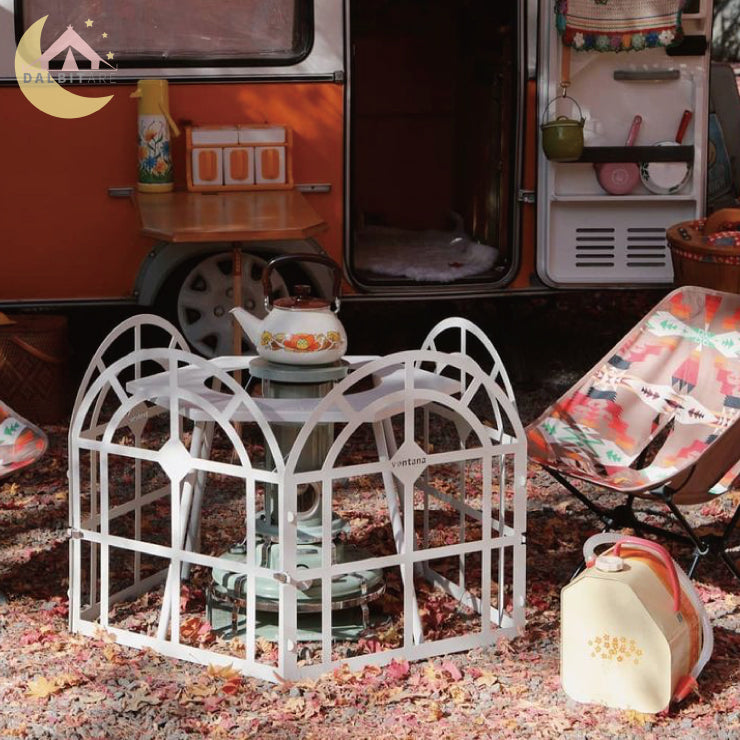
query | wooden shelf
[229, 216]
[637, 154]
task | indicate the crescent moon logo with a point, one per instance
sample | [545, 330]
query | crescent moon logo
[40, 88]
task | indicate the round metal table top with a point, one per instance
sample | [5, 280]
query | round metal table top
[283, 373]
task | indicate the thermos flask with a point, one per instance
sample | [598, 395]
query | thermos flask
[155, 123]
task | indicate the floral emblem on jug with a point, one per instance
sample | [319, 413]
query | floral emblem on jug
[155, 161]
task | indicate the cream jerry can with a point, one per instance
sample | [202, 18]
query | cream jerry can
[634, 633]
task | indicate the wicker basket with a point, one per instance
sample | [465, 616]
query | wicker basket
[697, 262]
[33, 367]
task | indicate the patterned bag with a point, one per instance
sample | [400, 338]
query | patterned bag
[619, 25]
[21, 443]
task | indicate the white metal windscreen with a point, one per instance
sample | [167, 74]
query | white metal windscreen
[416, 548]
[180, 30]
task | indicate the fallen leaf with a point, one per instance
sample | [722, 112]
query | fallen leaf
[224, 671]
[459, 695]
[398, 669]
[42, 688]
[453, 670]
[486, 678]
[139, 699]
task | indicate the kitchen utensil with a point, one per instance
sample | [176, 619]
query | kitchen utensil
[667, 178]
[620, 178]
[635, 634]
[300, 329]
[562, 138]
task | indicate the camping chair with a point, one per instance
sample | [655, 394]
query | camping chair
[21, 442]
[657, 418]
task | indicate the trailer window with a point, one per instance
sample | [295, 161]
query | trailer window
[178, 32]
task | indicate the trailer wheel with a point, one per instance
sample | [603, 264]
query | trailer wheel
[205, 294]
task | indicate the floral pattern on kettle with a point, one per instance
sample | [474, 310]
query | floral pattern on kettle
[301, 342]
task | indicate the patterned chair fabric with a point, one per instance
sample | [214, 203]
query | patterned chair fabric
[679, 367]
[673, 380]
[21, 443]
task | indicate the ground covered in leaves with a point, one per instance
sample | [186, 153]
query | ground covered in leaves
[57, 685]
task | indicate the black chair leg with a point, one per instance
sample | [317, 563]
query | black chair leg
[579, 569]
[623, 516]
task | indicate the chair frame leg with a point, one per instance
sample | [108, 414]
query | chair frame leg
[624, 516]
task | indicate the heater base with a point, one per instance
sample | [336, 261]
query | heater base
[228, 620]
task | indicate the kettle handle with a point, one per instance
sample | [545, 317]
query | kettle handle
[664, 555]
[302, 257]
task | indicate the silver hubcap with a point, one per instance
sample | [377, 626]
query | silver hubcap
[205, 298]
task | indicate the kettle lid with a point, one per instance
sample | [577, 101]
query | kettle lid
[302, 300]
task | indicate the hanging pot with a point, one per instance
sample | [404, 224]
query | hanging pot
[562, 138]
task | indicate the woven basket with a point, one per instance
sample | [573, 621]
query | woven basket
[33, 367]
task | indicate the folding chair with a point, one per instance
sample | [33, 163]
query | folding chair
[21, 442]
[656, 418]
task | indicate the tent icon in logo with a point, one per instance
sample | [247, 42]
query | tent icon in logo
[70, 40]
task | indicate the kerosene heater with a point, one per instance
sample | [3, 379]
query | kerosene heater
[300, 344]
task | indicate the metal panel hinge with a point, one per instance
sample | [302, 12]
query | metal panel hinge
[526, 196]
[74, 534]
[314, 187]
[120, 192]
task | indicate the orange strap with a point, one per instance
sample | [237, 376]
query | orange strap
[565, 66]
[686, 608]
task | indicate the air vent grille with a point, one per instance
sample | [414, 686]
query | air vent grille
[646, 247]
[595, 246]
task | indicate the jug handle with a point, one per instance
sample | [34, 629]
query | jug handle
[273, 263]
[170, 120]
[664, 555]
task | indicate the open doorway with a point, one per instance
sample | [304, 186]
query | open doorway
[432, 142]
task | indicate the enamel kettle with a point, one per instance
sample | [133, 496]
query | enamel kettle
[300, 329]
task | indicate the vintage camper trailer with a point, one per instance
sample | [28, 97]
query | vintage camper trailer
[414, 138]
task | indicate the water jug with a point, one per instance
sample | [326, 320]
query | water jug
[634, 633]
[155, 123]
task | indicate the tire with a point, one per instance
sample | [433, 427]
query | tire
[199, 295]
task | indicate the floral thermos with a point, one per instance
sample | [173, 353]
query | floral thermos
[154, 122]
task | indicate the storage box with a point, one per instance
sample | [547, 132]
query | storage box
[239, 157]
[33, 367]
